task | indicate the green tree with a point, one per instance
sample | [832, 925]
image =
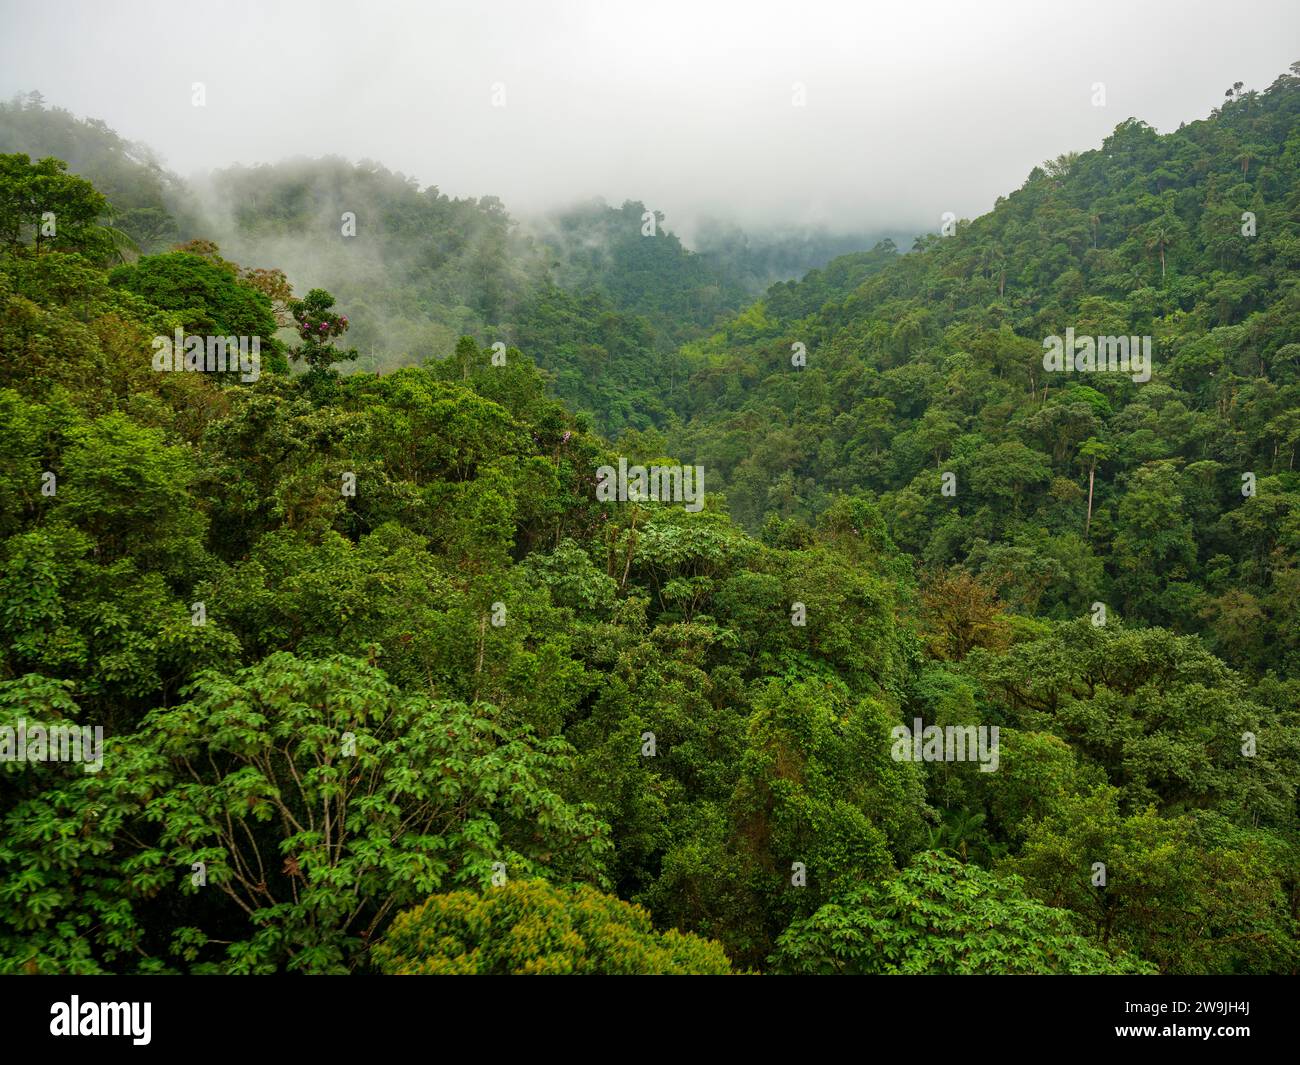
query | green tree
[320, 801]
[43, 204]
[529, 927]
[940, 917]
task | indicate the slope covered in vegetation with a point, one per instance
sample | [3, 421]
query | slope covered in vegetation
[1175, 500]
[367, 648]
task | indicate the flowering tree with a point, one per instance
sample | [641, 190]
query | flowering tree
[318, 326]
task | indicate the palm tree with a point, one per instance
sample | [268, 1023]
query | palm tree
[997, 263]
[1094, 220]
[1160, 234]
[122, 244]
[1248, 154]
[960, 829]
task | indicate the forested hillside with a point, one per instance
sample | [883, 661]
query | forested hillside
[148, 203]
[1066, 489]
[389, 684]
[601, 303]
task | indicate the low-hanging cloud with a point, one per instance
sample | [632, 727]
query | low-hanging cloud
[843, 116]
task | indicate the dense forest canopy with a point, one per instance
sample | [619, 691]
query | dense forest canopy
[386, 683]
[420, 268]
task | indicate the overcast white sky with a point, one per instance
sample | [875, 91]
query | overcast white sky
[912, 107]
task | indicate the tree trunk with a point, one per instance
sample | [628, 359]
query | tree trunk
[1092, 470]
[482, 645]
[631, 549]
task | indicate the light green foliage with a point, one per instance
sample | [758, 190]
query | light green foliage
[530, 928]
[321, 800]
[939, 917]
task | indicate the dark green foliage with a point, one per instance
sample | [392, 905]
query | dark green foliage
[207, 297]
